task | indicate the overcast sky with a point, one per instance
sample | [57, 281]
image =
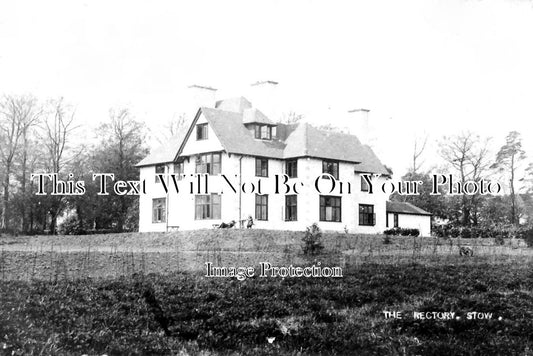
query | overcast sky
[435, 67]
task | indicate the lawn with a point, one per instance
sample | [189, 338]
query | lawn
[147, 294]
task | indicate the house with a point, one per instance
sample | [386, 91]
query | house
[234, 141]
[406, 215]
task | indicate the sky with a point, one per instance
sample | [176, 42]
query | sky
[422, 68]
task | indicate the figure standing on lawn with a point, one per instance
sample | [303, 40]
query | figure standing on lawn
[249, 222]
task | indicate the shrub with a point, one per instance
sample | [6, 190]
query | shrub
[312, 240]
[466, 233]
[397, 231]
[414, 232]
[498, 240]
[71, 226]
[454, 232]
[527, 235]
[389, 232]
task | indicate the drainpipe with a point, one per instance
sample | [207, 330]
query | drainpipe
[240, 192]
[166, 200]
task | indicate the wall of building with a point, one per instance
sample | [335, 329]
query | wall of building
[181, 206]
[411, 221]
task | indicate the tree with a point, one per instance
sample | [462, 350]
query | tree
[468, 155]
[17, 115]
[291, 118]
[479, 164]
[494, 210]
[120, 149]
[435, 204]
[528, 179]
[456, 151]
[507, 162]
[56, 132]
[418, 150]
[172, 128]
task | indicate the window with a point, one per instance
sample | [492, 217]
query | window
[366, 215]
[159, 169]
[330, 208]
[179, 169]
[208, 163]
[395, 220]
[263, 132]
[291, 211]
[291, 168]
[207, 207]
[266, 133]
[331, 167]
[201, 132]
[364, 184]
[261, 167]
[159, 210]
[261, 207]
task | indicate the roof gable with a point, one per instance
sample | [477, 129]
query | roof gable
[191, 146]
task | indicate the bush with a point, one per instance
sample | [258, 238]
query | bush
[454, 232]
[498, 233]
[398, 231]
[393, 232]
[466, 233]
[527, 235]
[312, 240]
[414, 232]
[71, 226]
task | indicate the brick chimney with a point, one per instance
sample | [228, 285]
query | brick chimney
[263, 95]
[360, 126]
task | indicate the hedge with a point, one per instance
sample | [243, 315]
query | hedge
[398, 231]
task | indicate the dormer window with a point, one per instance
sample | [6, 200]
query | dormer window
[201, 132]
[263, 132]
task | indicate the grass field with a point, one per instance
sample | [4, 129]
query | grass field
[147, 294]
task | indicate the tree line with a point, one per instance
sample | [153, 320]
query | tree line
[470, 157]
[47, 137]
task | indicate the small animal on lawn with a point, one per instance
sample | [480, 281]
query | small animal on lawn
[466, 251]
[228, 225]
[249, 222]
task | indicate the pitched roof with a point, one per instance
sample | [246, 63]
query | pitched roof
[236, 138]
[307, 140]
[296, 140]
[253, 115]
[404, 208]
[165, 153]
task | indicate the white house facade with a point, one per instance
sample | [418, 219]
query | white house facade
[240, 150]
